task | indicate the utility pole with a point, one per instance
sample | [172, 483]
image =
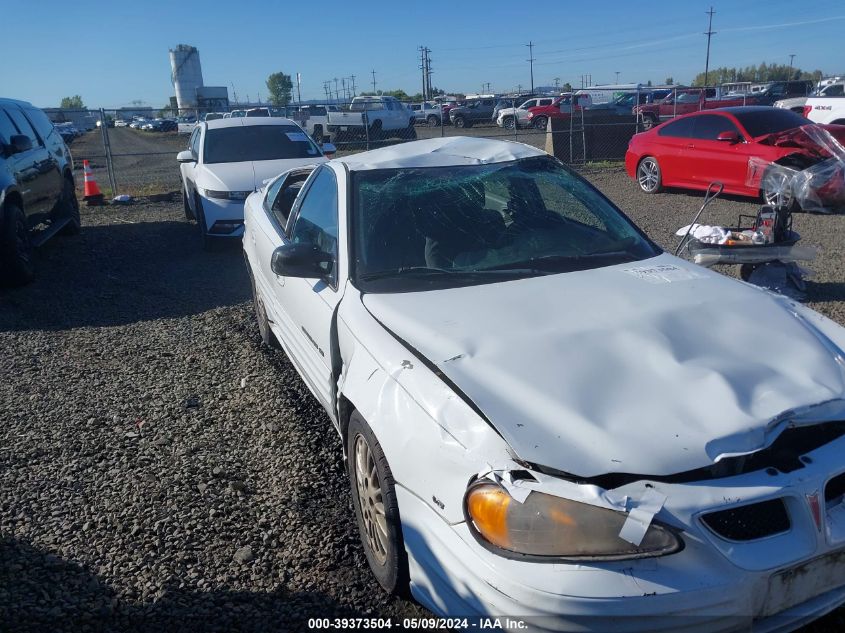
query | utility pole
[336, 92]
[557, 82]
[791, 57]
[354, 93]
[428, 73]
[617, 76]
[709, 33]
[425, 66]
[299, 88]
[374, 80]
[422, 67]
[530, 60]
[343, 85]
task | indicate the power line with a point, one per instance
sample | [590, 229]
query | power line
[530, 60]
[709, 33]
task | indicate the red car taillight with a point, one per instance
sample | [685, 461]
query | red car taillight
[807, 110]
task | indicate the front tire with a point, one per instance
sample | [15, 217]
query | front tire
[376, 506]
[649, 121]
[509, 122]
[16, 253]
[189, 215]
[649, 176]
[68, 207]
[267, 336]
[459, 122]
[208, 243]
[433, 121]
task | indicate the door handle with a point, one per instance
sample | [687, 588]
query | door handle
[690, 146]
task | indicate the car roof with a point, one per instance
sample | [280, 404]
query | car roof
[440, 152]
[21, 104]
[255, 120]
[733, 110]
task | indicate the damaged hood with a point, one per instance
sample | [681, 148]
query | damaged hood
[250, 175]
[807, 138]
[655, 367]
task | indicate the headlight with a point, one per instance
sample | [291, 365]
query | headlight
[553, 527]
[226, 195]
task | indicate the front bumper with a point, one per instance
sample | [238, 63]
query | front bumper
[773, 583]
[454, 577]
[223, 218]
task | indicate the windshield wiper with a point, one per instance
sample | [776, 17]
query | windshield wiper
[563, 262]
[422, 271]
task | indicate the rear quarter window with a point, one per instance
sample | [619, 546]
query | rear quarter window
[681, 128]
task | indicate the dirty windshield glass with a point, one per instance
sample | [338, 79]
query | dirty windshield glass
[424, 228]
[257, 142]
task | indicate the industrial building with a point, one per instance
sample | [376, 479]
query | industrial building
[186, 75]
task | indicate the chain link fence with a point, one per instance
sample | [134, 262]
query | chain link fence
[133, 150]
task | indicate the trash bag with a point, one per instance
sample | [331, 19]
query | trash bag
[786, 278]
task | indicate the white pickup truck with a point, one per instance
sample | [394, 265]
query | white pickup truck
[374, 118]
[796, 104]
[825, 110]
[315, 119]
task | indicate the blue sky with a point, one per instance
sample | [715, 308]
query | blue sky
[115, 53]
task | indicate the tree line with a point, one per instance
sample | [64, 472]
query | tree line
[756, 73]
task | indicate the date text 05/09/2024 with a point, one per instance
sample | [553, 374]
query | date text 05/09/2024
[405, 624]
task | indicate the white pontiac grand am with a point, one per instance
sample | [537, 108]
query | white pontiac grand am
[545, 415]
[228, 159]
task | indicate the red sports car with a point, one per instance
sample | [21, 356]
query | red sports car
[751, 150]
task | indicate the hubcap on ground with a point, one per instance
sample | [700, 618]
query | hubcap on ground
[370, 500]
[647, 175]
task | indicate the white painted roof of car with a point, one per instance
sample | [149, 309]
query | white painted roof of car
[257, 120]
[440, 152]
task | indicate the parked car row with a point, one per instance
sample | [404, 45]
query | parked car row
[541, 412]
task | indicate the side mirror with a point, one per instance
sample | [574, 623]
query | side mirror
[728, 137]
[19, 143]
[186, 156]
[301, 260]
[329, 149]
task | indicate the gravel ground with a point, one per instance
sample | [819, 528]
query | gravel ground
[162, 470]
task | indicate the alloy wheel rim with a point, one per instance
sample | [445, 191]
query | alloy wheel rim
[778, 193]
[647, 176]
[371, 500]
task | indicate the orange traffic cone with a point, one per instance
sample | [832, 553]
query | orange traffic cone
[93, 196]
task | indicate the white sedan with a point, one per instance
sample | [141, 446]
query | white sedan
[228, 159]
[543, 414]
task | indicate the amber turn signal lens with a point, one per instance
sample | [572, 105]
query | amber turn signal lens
[488, 508]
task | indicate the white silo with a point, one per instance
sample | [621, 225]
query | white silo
[186, 74]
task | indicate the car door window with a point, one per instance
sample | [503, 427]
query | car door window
[7, 128]
[709, 126]
[195, 143]
[23, 126]
[42, 124]
[681, 128]
[316, 219]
